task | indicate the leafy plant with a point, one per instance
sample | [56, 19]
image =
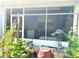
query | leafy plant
[73, 42]
[23, 49]
[20, 50]
[61, 35]
[73, 48]
[6, 43]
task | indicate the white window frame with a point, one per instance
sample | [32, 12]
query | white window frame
[21, 15]
[37, 14]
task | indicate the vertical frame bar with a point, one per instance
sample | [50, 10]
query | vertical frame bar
[11, 18]
[23, 25]
[46, 26]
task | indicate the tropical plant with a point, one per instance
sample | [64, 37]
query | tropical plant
[21, 49]
[73, 42]
[61, 36]
[73, 47]
[6, 43]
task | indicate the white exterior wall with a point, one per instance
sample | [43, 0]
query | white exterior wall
[1, 22]
[36, 3]
[48, 43]
[76, 16]
[77, 9]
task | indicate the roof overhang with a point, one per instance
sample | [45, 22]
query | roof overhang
[34, 3]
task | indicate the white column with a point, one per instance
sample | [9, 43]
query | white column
[1, 19]
[78, 14]
[78, 24]
[75, 17]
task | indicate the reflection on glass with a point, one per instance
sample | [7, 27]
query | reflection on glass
[34, 27]
[15, 19]
[17, 11]
[69, 9]
[35, 11]
[62, 22]
[8, 15]
[20, 23]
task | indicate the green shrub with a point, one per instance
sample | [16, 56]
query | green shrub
[73, 47]
[6, 43]
[20, 50]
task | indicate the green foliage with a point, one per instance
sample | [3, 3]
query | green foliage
[73, 40]
[10, 48]
[21, 49]
[6, 43]
[73, 48]
[61, 35]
